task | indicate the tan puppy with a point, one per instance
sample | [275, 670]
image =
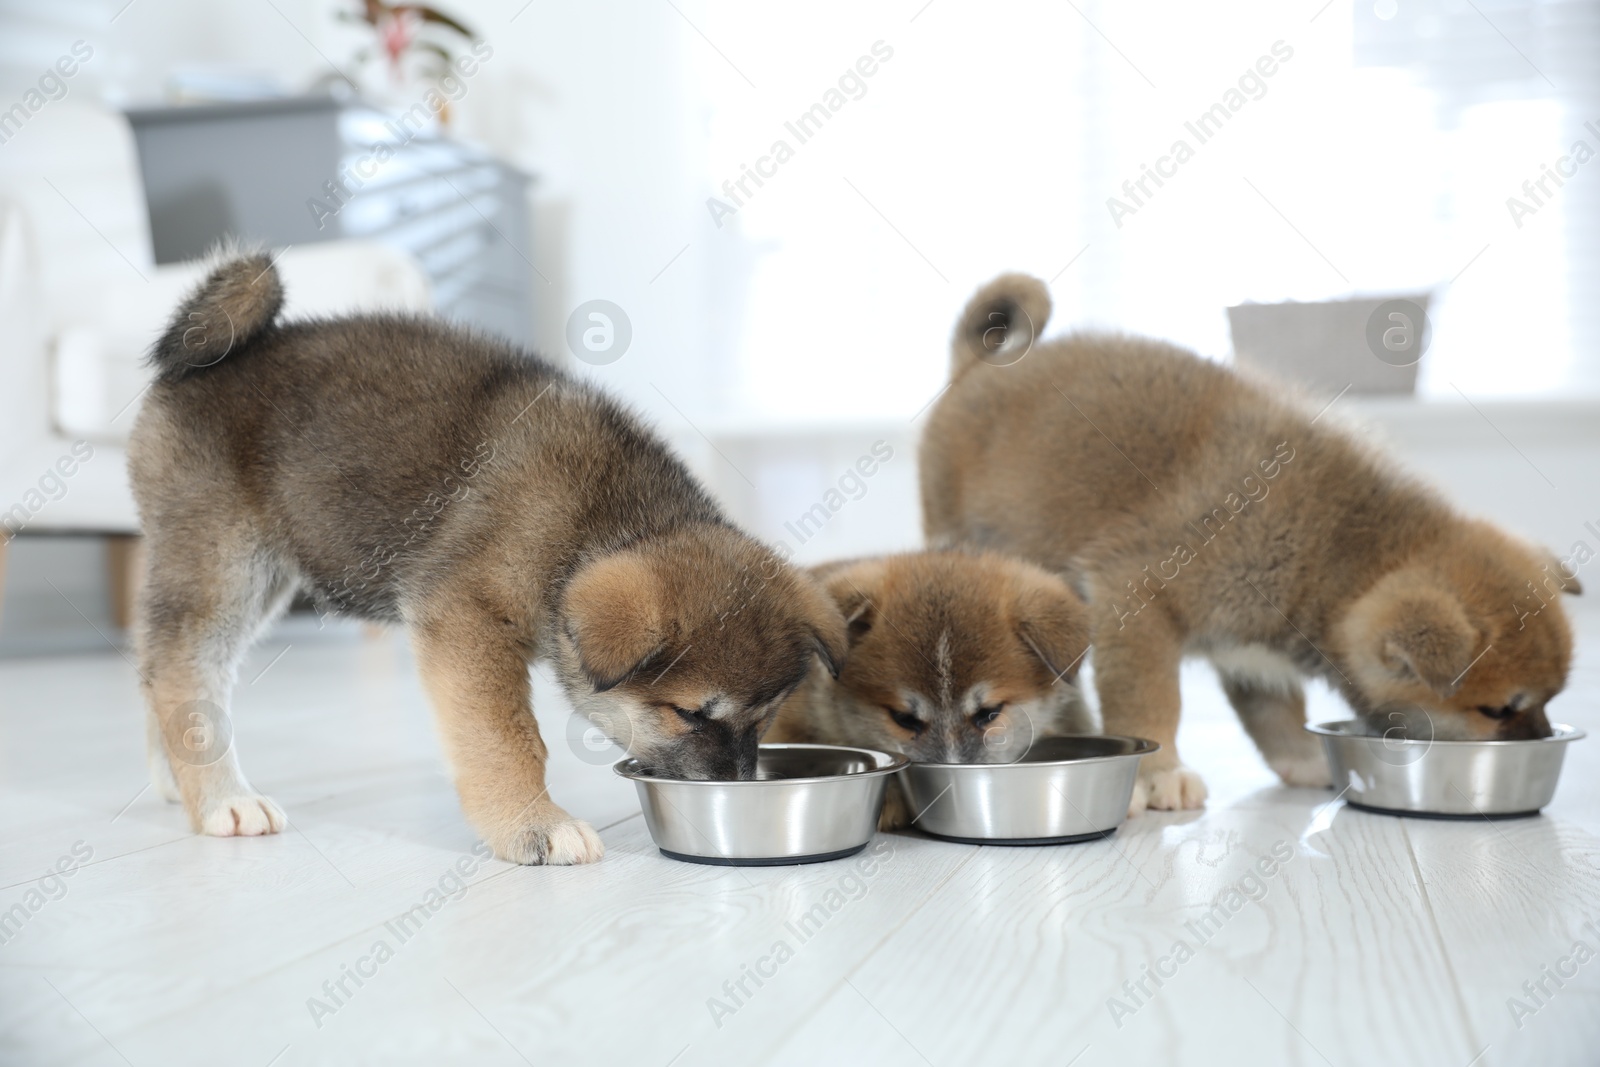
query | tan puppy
[1202, 514]
[405, 471]
[955, 657]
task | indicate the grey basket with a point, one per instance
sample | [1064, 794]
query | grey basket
[1328, 346]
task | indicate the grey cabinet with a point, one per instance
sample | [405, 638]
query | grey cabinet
[309, 169]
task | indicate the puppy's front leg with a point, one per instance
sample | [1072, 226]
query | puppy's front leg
[1137, 660]
[477, 680]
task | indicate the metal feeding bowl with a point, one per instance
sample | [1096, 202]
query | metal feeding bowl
[1064, 789]
[808, 803]
[1443, 779]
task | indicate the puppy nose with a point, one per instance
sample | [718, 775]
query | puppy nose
[1527, 726]
[954, 749]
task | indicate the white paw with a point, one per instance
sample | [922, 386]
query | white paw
[241, 815]
[557, 840]
[1167, 789]
[1307, 772]
[574, 841]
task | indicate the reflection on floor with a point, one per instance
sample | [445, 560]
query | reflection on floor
[1379, 941]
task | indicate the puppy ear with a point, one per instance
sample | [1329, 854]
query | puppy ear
[831, 656]
[615, 615]
[1053, 622]
[1419, 631]
[827, 624]
[856, 589]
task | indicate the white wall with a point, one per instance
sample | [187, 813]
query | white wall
[970, 141]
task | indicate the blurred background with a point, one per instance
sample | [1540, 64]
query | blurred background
[757, 223]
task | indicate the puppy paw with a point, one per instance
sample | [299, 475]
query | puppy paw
[895, 815]
[241, 815]
[1167, 789]
[1307, 772]
[551, 838]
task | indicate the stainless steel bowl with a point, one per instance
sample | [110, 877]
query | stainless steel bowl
[1064, 789]
[808, 803]
[1443, 779]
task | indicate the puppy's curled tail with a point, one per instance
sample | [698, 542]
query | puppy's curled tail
[239, 299]
[1001, 322]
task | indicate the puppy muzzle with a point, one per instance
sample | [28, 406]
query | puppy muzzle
[715, 755]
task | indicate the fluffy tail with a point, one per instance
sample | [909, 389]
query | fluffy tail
[1001, 322]
[238, 300]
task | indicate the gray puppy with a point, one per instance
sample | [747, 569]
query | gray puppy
[405, 471]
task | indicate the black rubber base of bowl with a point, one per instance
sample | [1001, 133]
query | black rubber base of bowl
[1445, 815]
[1070, 839]
[769, 861]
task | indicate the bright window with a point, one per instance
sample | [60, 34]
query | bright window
[1377, 157]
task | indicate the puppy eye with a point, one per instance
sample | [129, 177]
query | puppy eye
[1497, 713]
[695, 719]
[904, 719]
[987, 715]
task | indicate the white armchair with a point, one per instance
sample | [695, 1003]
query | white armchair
[81, 299]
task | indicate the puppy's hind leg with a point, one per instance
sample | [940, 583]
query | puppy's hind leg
[1272, 708]
[198, 613]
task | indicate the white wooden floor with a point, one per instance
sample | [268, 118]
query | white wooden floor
[1381, 941]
